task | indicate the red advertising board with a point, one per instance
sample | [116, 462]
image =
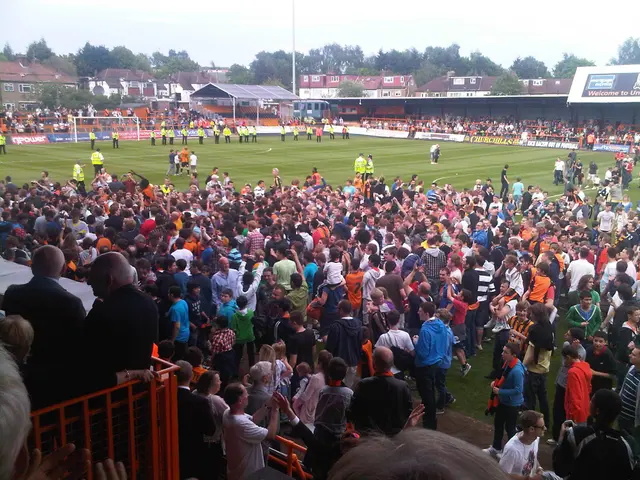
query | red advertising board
[29, 139]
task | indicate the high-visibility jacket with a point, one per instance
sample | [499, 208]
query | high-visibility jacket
[309, 130]
[368, 166]
[3, 140]
[283, 131]
[201, 132]
[115, 135]
[360, 165]
[171, 133]
[184, 132]
[295, 131]
[78, 173]
[165, 189]
[163, 124]
[191, 125]
[152, 134]
[330, 128]
[92, 136]
[245, 131]
[226, 132]
[97, 158]
[212, 124]
[163, 132]
[216, 131]
[254, 132]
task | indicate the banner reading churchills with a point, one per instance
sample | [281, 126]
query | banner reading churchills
[492, 140]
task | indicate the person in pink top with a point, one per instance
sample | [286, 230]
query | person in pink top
[305, 403]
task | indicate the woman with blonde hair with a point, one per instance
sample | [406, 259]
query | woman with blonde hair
[281, 369]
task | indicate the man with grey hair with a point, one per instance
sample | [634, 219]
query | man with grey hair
[382, 403]
[195, 426]
[122, 326]
[57, 318]
[261, 375]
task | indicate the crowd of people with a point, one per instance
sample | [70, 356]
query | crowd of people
[322, 307]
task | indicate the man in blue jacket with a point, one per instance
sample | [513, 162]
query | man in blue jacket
[507, 392]
[431, 349]
[344, 340]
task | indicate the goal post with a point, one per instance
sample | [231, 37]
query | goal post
[128, 128]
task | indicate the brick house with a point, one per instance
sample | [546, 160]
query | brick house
[375, 86]
[479, 86]
[20, 80]
[112, 81]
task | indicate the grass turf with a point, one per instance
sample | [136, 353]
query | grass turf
[460, 164]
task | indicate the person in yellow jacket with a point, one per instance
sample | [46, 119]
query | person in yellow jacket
[115, 136]
[163, 124]
[152, 136]
[283, 132]
[239, 132]
[295, 133]
[163, 134]
[216, 133]
[227, 134]
[331, 132]
[345, 132]
[309, 132]
[368, 168]
[3, 143]
[92, 138]
[78, 174]
[97, 160]
[245, 134]
[191, 125]
[254, 134]
[200, 135]
[185, 135]
[360, 165]
[171, 134]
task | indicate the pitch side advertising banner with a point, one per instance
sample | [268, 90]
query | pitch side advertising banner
[444, 137]
[28, 139]
[610, 147]
[612, 85]
[552, 144]
[492, 140]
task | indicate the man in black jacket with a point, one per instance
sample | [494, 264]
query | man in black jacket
[122, 326]
[57, 318]
[344, 340]
[382, 403]
[195, 426]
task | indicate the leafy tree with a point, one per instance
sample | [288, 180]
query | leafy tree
[63, 64]
[276, 65]
[427, 72]
[3, 58]
[566, 68]
[91, 59]
[7, 51]
[273, 82]
[507, 84]
[447, 59]
[53, 95]
[481, 65]
[350, 89]
[122, 57]
[39, 51]
[173, 62]
[628, 52]
[239, 74]
[529, 67]
[396, 61]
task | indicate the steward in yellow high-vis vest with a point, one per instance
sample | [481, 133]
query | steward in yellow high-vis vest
[97, 160]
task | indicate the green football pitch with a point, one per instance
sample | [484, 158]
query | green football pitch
[460, 163]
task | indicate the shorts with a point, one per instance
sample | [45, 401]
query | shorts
[460, 334]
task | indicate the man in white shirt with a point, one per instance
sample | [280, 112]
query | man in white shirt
[259, 191]
[606, 219]
[181, 252]
[396, 338]
[193, 162]
[578, 269]
[242, 435]
[520, 455]
[558, 172]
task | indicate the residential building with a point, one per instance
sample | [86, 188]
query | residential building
[122, 81]
[181, 85]
[478, 86]
[20, 81]
[375, 86]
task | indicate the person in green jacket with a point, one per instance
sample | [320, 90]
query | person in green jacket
[242, 325]
[585, 315]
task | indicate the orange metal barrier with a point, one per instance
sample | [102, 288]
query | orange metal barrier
[134, 423]
[289, 459]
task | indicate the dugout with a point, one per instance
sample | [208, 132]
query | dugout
[251, 103]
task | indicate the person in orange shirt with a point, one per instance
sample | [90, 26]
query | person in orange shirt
[354, 285]
[357, 182]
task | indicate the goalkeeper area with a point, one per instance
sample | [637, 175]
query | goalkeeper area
[128, 128]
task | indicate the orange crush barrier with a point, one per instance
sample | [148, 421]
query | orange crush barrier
[134, 423]
[289, 459]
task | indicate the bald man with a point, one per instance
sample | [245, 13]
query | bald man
[121, 327]
[382, 403]
[57, 318]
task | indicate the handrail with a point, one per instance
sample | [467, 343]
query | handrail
[291, 461]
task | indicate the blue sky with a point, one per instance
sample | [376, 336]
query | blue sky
[234, 31]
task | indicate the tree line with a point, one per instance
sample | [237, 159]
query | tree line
[274, 68]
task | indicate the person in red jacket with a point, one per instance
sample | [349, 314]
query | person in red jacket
[576, 400]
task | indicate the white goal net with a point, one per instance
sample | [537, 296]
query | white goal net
[128, 128]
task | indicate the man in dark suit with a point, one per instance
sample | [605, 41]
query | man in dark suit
[382, 403]
[195, 426]
[57, 318]
[122, 326]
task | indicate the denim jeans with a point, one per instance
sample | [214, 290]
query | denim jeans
[444, 396]
[425, 381]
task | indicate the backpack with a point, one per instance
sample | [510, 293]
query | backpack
[379, 325]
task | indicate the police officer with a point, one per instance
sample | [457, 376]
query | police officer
[309, 132]
[116, 139]
[163, 133]
[216, 133]
[360, 165]
[78, 175]
[97, 160]
[368, 169]
[254, 134]
[239, 132]
[152, 136]
[92, 137]
[345, 132]
[331, 134]
[283, 132]
[227, 134]
[3, 143]
[245, 133]
[185, 134]
[172, 135]
[200, 135]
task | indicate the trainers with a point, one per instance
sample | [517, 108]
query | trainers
[490, 323]
[492, 451]
[440, 411]
[500, 326]
[465, 369]
[451, 400]
[479, 347]
[551, 441]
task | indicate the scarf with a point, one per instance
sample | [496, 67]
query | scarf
[494, 400]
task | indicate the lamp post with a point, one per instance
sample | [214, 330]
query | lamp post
[293, 53]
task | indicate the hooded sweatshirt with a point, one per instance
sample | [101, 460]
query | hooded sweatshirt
[576, 399]
[344, 340]
[369, 280]
[432, 344]
[228, 309]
